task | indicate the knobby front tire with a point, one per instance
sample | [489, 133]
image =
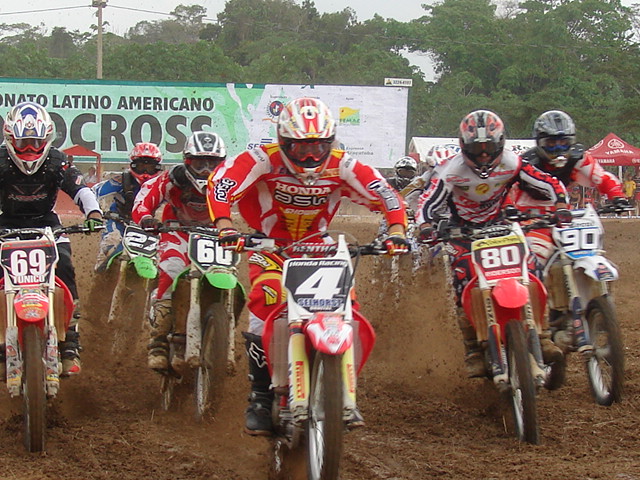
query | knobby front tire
[34, 393]
[605, 368]
[325, 427]
[523, 391]
[211, 373]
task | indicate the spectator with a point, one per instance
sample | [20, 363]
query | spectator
[91, 176]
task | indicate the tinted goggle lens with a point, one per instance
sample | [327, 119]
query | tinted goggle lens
[405, 172]
[476, 149]
[311, 151]
[145, 165]
[29, 143]
[555, 144]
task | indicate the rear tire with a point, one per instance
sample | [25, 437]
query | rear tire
[523, 391]
[212, 372]
[325, 427]
[34, 391]
[605, 368]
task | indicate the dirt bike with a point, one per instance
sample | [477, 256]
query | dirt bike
[505, 304]
[138, 251]
[582, 315]
[207, 301]
[36, 310]
[315, 345]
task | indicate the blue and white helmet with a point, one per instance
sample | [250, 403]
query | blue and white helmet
[28, 133]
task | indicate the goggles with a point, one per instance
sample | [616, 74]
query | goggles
[308, 153]
[405, 172]
[29, 144]
[201, 165]
[145, 165]
[475, 151]
[555, 144]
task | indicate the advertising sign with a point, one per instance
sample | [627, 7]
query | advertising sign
[110, 117]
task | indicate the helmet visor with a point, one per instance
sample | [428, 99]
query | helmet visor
[29, 144]
[308, 153]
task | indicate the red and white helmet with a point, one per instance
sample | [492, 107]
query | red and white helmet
[28, 133]
[306, 130]
[146, 160]
[482, 141]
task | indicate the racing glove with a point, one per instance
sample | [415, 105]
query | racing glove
[150, 223]
[93, 224]
[397, 244]
[511, 213]
[231, 239]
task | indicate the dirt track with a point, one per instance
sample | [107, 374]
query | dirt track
[424, 418]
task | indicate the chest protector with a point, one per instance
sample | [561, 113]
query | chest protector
[30, 195]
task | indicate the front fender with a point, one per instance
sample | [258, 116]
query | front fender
[597, 267]
[510, 293]
[145, 267]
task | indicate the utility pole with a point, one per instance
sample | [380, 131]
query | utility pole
[99, 4]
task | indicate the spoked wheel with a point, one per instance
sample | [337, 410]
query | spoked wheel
[605, 368]
[211, 373]
[34, 393]
[523, 392]
[325, 427]
[167, 386]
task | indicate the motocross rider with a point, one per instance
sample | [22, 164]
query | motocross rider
[181, 191]
[32, 172]
[474, 186]
[557, 153]
[405, 170]
[117, 193]
[291, 190]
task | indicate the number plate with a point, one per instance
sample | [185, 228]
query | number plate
[28, 262]
[205, 252]
[318, 285]
[501, 257]
[138, 242]
[578, 241]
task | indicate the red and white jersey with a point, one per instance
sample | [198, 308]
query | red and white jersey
[272, 201]
[181, 200]
[472, 199]
[586, 172]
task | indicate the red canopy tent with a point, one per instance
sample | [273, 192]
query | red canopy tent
[613, 151]
[80, 151]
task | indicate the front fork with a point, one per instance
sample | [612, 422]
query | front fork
[497, 352]
[581, 338]
[194, 321]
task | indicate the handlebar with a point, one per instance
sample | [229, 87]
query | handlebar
[260, 243]
[30, 233]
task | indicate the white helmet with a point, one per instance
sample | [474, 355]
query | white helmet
[28, 134]
[202, 154]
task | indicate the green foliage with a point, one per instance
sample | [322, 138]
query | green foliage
[518, 59]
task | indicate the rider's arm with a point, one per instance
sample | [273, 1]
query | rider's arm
[150, 196]
[589, 173]
[546, 184]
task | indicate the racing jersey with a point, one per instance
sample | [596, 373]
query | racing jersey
[182, 202]
[34, 196]
[474, 200]
[272, 201]
[117, 193]
[581, 169]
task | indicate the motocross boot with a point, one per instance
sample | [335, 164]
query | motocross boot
[161, 325]
[258, 414]
[551, 353]
[70, 353]
[473, 355]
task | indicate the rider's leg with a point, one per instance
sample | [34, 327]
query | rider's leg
[258, 413]
[70, 347]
